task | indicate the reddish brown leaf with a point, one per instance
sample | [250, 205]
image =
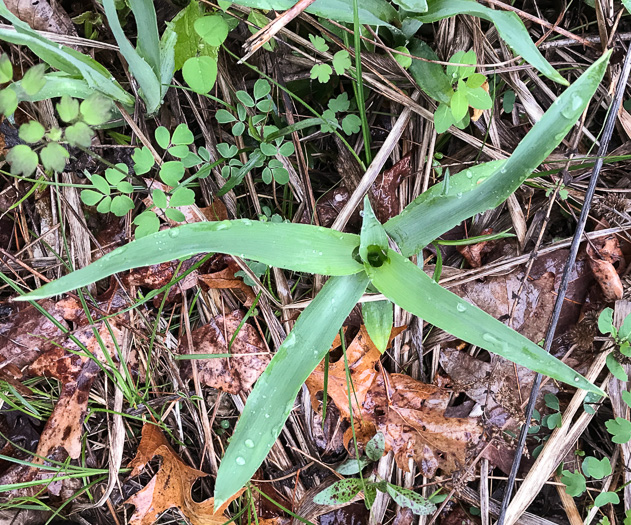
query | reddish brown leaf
[601, 260]
[236, 374]
[473, 253]
[170, 487]
[384, 190]
[225, 279]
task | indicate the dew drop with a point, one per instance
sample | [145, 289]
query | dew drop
[223, 225]
[577, 379]
[459, 195]
[240, 460]
[461, 307]
[320, 253]
[469, 174]
[174, 232]
[266, 416]
[249, 443]
[247, 222]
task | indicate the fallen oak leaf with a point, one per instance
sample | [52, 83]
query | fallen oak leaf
[225, 280]
[235, 374]
[171, 486]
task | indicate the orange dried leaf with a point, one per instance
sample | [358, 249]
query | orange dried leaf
[170, 487]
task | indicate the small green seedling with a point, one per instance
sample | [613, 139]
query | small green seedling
[622, 339]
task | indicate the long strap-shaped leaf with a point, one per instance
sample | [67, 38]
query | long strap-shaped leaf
[371, 12]
[412, 289]
[298, 247]
[63, 58]
[271, 401]
[488, 185]
[147, 78]
[508, 25]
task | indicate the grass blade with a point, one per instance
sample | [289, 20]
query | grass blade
[509, 26]
[298, 247]
[488, 185]
[148, 40]
[412, 289]
[141, 70]
[63, 58]
[305, 346]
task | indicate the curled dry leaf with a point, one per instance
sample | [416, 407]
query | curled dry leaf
[409, 413]
[473, 253]
[235, 374]
[384, 190]
[225, 279]
[602, 257]
[170, 487]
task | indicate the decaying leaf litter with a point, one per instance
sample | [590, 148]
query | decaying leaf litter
[95, 389]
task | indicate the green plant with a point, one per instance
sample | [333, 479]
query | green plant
[466, 91]
[354, 262]
[101, 194]
[151, 63]
[622, 340]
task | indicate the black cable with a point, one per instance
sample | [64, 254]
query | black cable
[558, 305]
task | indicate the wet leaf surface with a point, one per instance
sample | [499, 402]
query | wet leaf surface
[170, 487]
[235, 374]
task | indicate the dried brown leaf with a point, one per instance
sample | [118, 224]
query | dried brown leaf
[170, 487]
[235, 374]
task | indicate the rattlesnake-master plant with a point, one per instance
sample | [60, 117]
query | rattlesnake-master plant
[354, 262]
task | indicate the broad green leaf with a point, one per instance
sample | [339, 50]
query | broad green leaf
[171, 172]
[351, 124]
[409, 499]
[146, 224]
[143, 72]
[224, 117]
[428, 75]
[509, 26]
[371, 12]
[373, 245]
[487, 185]
[64, 58]
[319, 43]
[163, 137]
[143, 160]
[23, 160]
[121, 204]
[96, 110]
[616, 368]
[341, 61]
[339, 103]
[443, 119]
[597, 469]
[182, 197]
[200, 73]
[182, 135]
[415, 6]
[189, 43]
[404, 61]
[412, 289]
[105, 205]
[574, 483]
[159, 199]
[54, 157]
[148, 40]
[8, 101]
[212, 29]
[321, 72]
[352, 466]
[620, 429]
[306, 345]
[605, 322]
[625, 330]
[606, 497]
[459, 72]
[79, 134]
[459, 105]
[68, 108]
[33, 80]
[378, 318]
[90, 197]
[31, 132]
[100, 184]
[376, 447]
[298, 247]
[341, 491]
[117, 173]
[6, 69]
[478, 98]
[167, 59]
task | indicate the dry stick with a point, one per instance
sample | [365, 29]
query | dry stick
[375, 167]
[558, 305]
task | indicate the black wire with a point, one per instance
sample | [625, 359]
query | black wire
[558, 305]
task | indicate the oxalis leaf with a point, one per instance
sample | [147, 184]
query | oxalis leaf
[298, 247]
[412, 289]
[509, 26]
[271, 400]
[486, 186]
